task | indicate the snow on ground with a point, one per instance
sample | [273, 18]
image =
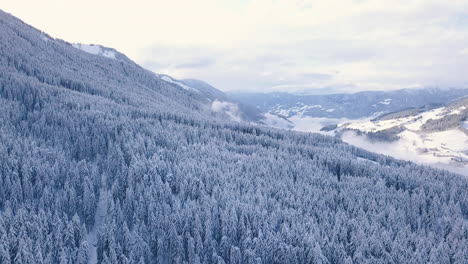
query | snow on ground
[458, 110]
[300, 109]
[437, 146]
[95, 49]
[410, 122]
[366, 160]
[183, 85]
[99, 221]
[448, 148]
[386, 101]
[424, 117]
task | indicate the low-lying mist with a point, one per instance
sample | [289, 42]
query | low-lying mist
[400, 150]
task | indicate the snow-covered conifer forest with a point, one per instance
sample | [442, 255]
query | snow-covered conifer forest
[103, 161]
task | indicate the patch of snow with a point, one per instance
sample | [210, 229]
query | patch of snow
[369, 126]
[108, 54]
[99, 220]
[458, 110]
[314, 106]
[366, 160]
[432, 114]
[374, 115]
[411, 122]
[299, 110]
[386, 101]
[95, 49]
[182, 85]
[92, 49]
[458, 98]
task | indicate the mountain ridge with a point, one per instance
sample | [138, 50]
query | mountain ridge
[352, 105]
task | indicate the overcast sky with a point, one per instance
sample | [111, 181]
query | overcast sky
[261, 45]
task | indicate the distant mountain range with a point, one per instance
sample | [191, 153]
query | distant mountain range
[351, 106]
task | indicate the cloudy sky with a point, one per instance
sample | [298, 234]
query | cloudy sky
[266, 45]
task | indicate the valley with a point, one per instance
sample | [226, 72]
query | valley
[430, 134]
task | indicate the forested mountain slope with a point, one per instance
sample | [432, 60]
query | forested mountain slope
[187, 187]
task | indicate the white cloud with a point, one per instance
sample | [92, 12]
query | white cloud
[228, 108]
[365, 44]
[401, 149]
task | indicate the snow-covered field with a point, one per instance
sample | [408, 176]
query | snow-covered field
[447, 148]
[99, 221]
[411, 122]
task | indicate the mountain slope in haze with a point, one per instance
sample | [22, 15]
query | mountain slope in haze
[246, 112]
[202, 92]
[97, 148]
[434, 135]
[220, 102]
[350, 106]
